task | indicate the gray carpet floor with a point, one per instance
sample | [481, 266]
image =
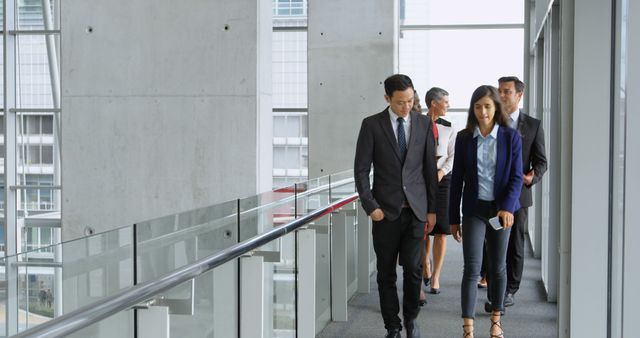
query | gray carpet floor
[531, 316]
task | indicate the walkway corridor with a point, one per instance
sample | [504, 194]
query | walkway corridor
[530, 317]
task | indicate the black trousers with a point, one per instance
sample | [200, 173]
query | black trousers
[515, 250]
[403, 239]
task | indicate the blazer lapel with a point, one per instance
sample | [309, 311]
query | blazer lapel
[522, 126]
[413, 130]
[385, 124]
[473, 161]
[501, 156]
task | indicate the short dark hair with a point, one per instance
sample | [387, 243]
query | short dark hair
[416, 102]
[397, 82]
[434, 94]
[519, 84]
[500, 116]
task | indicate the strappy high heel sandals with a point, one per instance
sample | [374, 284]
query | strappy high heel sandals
[467, 333]
[499, 325]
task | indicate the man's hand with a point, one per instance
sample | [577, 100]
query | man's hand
[431, 222]
[506, 218]
[440, 175]
[528, 178]
[377, 215]
[455, 231]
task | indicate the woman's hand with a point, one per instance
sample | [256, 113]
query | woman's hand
[455, 231]
[506, 218]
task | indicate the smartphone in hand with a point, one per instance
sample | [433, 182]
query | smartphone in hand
[496, 223]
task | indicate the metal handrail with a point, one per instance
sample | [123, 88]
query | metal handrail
[126, 299]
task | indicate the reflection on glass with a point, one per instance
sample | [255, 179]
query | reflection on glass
[36, 295]
[262, 212]
[170, 242]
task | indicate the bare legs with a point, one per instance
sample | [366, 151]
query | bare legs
[439, 250]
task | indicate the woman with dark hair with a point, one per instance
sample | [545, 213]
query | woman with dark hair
[487, 177]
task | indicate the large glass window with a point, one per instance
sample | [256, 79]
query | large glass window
[459, 45]
[461, 12]
[290, 136]
[30, 107]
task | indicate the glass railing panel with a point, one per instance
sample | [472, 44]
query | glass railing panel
[37, 290]
[342, 185]
[168, 243]
[95, 267]
[263, 212]
[206, 307]
[53, 280]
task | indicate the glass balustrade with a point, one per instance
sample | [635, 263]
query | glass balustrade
[50, 281]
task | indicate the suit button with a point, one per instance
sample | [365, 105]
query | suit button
[404, 187]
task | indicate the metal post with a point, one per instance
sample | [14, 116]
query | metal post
[10, 200]
[339, 287]
[251, 297]
[306, 296]
[364, 250]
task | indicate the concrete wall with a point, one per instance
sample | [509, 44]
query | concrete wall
[163, 104]
[349, 57]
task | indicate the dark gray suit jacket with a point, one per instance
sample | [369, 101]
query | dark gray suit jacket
[533, 153]
[416, 179]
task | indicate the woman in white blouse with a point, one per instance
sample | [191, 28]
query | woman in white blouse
[437, 101]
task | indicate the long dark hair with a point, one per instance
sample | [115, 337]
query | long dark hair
[500, 116]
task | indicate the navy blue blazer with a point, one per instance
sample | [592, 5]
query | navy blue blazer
[464, 176]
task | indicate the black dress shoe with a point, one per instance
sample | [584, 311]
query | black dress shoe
[508, 300]
[393, 333]
[427, 281]
[488, 308]
[434, 291]
[422, 302]
[413, 330]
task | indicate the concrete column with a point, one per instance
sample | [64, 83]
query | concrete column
[166, 107]
[348, 59]
[587, 205]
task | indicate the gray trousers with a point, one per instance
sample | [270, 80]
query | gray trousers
[475, 230]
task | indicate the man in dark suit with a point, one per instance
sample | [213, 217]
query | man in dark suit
[400, 145]
[534, 166]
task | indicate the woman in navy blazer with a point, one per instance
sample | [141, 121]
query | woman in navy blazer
[487, 177]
